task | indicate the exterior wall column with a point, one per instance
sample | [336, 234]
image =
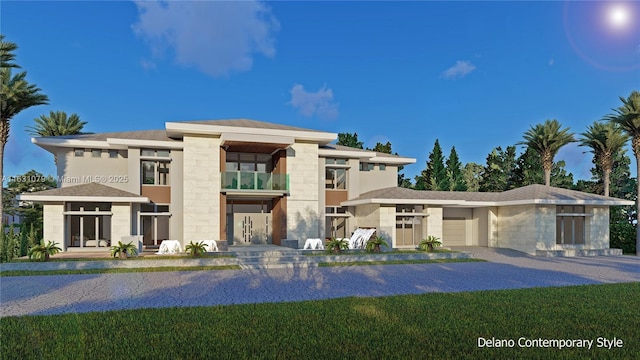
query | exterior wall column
[304, 217]
[54, 224]
[434, 222]
[120, 221]
[201, 192]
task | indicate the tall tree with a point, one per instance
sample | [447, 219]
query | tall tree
[434, 177]
[498, 173]
[6, 53]
[627, 116]
[31, 213]
[529, 171]
[454, 172]
[472, 173]
[547, 139]
[17, 94]
[382, 148]
[605, 140]
[56, 124]
[350, 140]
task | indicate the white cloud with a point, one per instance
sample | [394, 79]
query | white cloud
[147, 65]
[459, 70]
[552, 61]
[216, 37]
[314, 103]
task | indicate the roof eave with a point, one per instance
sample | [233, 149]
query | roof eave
[180, 129]
[62, 198]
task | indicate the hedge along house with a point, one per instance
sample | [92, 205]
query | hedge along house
[244, 181]
[250, 182]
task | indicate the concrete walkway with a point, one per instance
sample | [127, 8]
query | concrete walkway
[507, 269]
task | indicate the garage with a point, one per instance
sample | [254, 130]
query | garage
[454, 231]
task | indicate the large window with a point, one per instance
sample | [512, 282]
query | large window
[154, 221]
[336, 179]
[411, 225]
[88, 224]
[155, 165]
[336, 222]
[570, 224]
[248, 162]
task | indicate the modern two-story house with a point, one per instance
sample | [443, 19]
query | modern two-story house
[250, 182]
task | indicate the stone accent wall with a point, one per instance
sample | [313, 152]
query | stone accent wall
[201, 188]
[177, 192]
[53, 224]
[597, 234]
[527, 228]
[434, 222]
[304, 218]
[120, 221]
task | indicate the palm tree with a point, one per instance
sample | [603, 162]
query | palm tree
[627, 117]
[57, 123]
[6, 53]
[605, 140]
[16, 95]
[547, 139]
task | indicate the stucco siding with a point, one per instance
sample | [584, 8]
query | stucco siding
[201, 193]
[74, 170]
[377, 179]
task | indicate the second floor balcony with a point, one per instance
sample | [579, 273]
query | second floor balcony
[253, 180]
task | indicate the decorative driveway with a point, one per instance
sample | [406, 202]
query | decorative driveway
[506, 269]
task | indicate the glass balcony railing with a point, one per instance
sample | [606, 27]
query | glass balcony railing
[251, 180]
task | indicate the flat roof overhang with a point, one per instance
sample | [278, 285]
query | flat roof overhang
[55, 198]
[254, 194]
[177, 129]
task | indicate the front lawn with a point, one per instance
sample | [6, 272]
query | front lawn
[442, 325]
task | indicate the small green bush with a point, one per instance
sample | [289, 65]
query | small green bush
[622, 235]
[196, 249]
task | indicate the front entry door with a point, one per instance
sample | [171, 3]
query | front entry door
[251, 228]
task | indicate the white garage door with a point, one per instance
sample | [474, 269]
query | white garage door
[454, 232]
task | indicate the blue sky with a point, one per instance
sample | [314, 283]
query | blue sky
[475, 75]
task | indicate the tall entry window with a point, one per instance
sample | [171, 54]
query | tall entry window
[336, 222]
[570, 224]
[154, 223]
[411, 225]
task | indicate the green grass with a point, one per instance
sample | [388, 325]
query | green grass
[115, 270]
[443, 325]
[396, 262]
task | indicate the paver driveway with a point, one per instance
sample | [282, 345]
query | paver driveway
[506, 269]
